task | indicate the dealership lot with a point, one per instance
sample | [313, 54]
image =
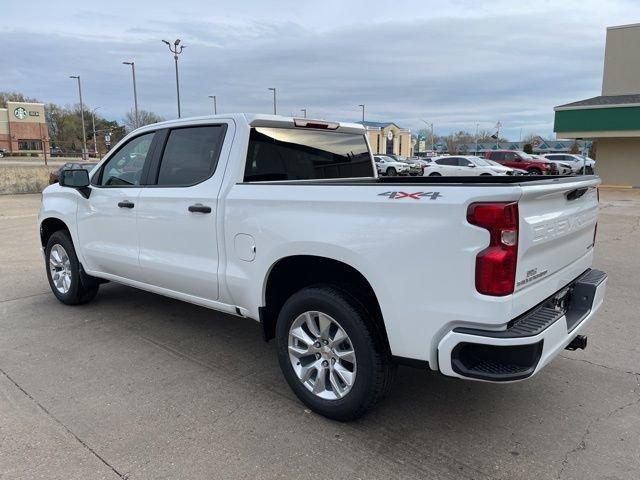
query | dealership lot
[140, 386]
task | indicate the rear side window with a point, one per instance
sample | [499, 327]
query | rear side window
[448, 161]
[190, 155]
[296, 154]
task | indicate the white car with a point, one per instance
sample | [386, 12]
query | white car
[285, 222]
[504, 169]
[559, 168]
[461, 166]
[390, 167]
[577, 163]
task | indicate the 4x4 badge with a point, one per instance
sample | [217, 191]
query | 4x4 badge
[414, 195]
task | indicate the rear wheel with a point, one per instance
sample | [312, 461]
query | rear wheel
[435, 174]
[535, 171]
[391, 172]
[485, 174]
[68, 282]
[332, 357]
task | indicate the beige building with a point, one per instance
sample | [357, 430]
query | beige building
[23, 128]
[388, 138]
[612, 119]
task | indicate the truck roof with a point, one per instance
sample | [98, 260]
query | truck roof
[256, 119]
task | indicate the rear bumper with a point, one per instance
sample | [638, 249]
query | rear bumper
[530, 341]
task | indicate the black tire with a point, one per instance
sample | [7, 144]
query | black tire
[375, 370]
[83, 288]
[391, 172]
[485, 174]
[588, 170]
[435, 174]
[535, 171]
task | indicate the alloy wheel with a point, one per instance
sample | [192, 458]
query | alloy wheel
[322, 355]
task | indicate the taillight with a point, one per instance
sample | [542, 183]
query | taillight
[496, 264]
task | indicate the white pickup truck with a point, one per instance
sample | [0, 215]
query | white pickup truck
[285, 221]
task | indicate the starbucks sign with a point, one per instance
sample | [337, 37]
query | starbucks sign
[20, 113]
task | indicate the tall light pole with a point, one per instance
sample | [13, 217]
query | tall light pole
[362, 105]
[275, 111]
[215, 106]
[176, 50]
[135, 91]
[304, 112]
[93, 124]
[431, 126]
[84, 133]
[477, 126]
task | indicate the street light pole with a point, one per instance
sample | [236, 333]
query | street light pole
[362, 105]
[274, 100]
[84, 133]
[215, 106]
[135, 92]
[477, 125]
[304, 112]
[176, 50]
[431, 126]
[93, 124]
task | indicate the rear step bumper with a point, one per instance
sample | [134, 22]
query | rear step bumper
[530, 341]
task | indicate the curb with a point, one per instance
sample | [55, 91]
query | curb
[619, 186]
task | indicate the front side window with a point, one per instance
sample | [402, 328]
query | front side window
[296, 154]
[447, 161]
[191, 155]
[124, 168]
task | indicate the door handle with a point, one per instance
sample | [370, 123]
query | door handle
[199, 208]
[126, 204]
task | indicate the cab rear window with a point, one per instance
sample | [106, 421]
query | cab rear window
[297, 154]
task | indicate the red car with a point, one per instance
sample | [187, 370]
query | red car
[521, 160]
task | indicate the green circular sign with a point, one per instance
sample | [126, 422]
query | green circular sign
[20, 113]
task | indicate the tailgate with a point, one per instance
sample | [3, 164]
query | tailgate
[557, 223]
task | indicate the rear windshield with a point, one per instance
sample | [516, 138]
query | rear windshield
[296, 154]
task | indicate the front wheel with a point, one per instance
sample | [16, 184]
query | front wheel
[331, 355]
[435, 174]
[68, 282]
[391, 172]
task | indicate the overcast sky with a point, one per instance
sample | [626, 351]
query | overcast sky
[453, 63]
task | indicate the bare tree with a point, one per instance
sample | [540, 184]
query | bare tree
[144, 118]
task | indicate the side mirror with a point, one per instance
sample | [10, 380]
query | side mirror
[471, 165]
[78, 179]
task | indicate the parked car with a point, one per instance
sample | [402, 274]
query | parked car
[561, 168]
[54, 176]
[506, 170]
[3, 152]
[259, 216]
[417, 165]
[390, 167]
[577, 163]
[521, 160]
[460, 165]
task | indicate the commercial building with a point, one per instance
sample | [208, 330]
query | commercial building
[23, 128]
[538, 144]
[612, 119]
[388, 138]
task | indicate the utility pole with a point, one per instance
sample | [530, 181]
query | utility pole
[215, 106]
[274, 100]
[84, 133]
[431, 126]
[135, 92]
[93, 124]
[362, 105]
[176, 50]
[477, 125]
[304, 112]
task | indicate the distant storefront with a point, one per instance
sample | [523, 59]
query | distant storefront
[388, 138]
[612, 119]
[23, 128]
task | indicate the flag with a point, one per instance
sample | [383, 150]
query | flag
[495, 136]
[498, 125]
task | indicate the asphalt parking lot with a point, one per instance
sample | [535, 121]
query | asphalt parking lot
[144, 387]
